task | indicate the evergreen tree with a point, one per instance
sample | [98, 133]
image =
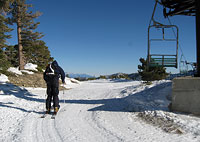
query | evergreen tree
[38, 53]
[151, 73]
[4, 64]
[28, 37]
[18, 14]
[4, 5]
[12, 55]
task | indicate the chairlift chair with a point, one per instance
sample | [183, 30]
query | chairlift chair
[164, 60]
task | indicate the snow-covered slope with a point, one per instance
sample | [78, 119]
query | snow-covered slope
[95, 111]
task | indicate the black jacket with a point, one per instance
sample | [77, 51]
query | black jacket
[53, 72]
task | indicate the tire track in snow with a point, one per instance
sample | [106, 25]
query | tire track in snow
[112, 136]
[40, 130]
[47, 131]
[55, 136]
[84, 124]
[32, 135]
[56, 131]
[99, 126]
[31, 132]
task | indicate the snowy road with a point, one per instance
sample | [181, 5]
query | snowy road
[95, 111]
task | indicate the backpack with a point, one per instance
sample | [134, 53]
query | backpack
[51, 74]
[50, 70]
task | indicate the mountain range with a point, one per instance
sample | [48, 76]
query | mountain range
[77, 75]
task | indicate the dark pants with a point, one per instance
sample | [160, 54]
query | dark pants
[52, 92]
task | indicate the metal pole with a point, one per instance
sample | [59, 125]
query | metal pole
[154, 9]
[63, 96]
[45, 97]
[177, 44]
[148, 52]
[63, 92]
[198, 35]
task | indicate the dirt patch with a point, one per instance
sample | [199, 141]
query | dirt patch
[165, 123]
[30, 80]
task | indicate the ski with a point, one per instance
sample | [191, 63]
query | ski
[55, 113]
[53, 116]
[44, 115]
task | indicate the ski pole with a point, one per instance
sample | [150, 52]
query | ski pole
[64, 95]
[45, 101]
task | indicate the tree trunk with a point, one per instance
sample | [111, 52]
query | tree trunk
[20, 47]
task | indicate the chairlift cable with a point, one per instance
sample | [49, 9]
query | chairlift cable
[176, 37]
[152, 17]
[169, 62]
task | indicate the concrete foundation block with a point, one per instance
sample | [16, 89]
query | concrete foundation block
[186, 95]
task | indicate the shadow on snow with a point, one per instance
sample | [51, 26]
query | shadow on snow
[8, 89]
[153, 98]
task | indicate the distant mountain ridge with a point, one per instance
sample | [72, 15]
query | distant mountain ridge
[77, 75]
[133, 76]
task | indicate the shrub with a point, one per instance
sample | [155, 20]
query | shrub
[151, 73]
[7, 73]
[102, 77]
[40, 69]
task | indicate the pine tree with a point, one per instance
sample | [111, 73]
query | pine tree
[151, 73]
[4, 5]
[4, 64]
[12, 55]
[35, 50]
[18, 14]
[38, 53]
[29, 35]
[30, 47]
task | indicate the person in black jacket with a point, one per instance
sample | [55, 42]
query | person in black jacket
[51, 76]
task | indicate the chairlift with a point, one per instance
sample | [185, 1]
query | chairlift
[162, 60]
[183, 66]
[185, 69]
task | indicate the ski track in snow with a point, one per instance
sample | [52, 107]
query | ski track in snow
[96, 111]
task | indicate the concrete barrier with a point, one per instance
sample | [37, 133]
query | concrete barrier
[186, 95]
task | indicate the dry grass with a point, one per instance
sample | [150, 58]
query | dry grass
[29, 80]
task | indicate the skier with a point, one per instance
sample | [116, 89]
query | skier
[51, 76]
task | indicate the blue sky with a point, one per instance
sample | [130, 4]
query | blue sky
[104, 36]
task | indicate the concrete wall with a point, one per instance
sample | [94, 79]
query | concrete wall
[186, 95]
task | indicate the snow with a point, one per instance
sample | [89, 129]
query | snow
[28, 72]
[15, 70]
[27, 68]
[30, 66]
[96, 111]
[71, 83]
[3, 78]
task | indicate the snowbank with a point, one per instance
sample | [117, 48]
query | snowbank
[74, 81]
[30, 66]
[19, 72]
[150, 103]
[15, 70]
[27, 68]
[71, 83]
[28, 72]
[3, 78]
